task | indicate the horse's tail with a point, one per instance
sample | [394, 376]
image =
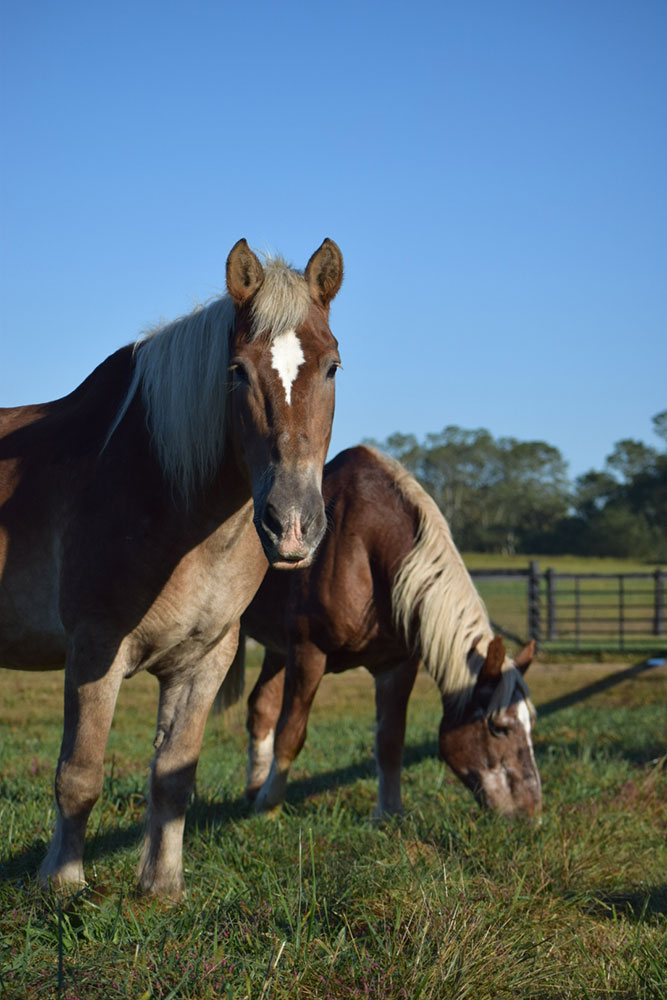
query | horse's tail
[231, 689]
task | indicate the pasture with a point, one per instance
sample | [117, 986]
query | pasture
[506, 599]
[320, 903]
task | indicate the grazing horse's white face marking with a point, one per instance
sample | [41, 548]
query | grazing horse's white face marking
[525, 720]
[287, 357]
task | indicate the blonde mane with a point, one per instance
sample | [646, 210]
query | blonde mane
[181, 370]
[438, 608]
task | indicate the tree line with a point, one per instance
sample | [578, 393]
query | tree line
[511, 496]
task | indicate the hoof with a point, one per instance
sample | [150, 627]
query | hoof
[386, 818]
[272, 811]
[165, 885]
[170, 894]
[66, 881]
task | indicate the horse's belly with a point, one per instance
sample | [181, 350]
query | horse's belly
[38, 652]
[31, 633]
[31, 636]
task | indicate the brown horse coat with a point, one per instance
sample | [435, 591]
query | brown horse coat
[137, 516]
[386, 590]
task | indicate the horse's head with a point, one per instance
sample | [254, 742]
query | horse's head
[283, 362]
[490, 749]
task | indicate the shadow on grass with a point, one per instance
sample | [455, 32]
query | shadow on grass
[24, 864]
[597, 687]
[303, 788]
[203, 812]
[633, 904]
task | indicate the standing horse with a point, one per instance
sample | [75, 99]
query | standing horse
[386, 590]
[126, 526]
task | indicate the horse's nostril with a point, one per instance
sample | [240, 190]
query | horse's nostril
[310, 521]
[271, 521]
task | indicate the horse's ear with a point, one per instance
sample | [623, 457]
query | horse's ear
[324, 273]
[244, 273]
[524, 659]
[493, 664]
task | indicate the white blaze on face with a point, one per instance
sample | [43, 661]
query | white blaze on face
[287, 357]
[524, 718]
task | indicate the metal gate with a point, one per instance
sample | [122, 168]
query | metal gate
[578, 611]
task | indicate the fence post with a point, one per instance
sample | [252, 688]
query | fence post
[659, 615]
[552, 628]
[534, 630]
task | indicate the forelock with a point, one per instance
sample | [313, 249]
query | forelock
[282, 301]
[510, 683]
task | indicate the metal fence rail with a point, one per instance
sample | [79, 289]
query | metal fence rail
[576, 611]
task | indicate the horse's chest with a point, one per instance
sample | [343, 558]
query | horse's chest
[205, 595]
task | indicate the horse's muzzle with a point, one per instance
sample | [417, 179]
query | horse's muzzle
[290, 532]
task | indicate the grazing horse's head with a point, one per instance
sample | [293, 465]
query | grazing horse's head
[283, 360]
[490, 749]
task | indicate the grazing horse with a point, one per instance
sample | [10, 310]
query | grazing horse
[386, 590]
[131, 517]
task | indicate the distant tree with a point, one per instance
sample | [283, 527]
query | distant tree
[620, 532]
[592, 491]
[660, 425]
[495, 494]
[630, 458]
[502, 494]
[622, 511]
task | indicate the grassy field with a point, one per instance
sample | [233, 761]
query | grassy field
[562, 564]
[320, 903]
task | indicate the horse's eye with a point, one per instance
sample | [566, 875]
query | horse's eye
[239, 372]
[500, 723]
[331, 372]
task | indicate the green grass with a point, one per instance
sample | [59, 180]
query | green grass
[320, 903]
[562, 564]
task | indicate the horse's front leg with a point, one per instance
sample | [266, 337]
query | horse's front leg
[185, 701]
[264, 703]
[305, 668]
[392, 691]
[91, 688]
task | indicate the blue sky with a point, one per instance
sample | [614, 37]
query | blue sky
[495, 174]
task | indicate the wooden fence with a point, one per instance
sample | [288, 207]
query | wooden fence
[578, 611]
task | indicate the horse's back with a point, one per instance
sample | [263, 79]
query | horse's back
[366, 507]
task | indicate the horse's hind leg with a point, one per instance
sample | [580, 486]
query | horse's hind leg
[185, 701]
[264, 705]
[392, 691]
[305, 669]
[89, 706]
